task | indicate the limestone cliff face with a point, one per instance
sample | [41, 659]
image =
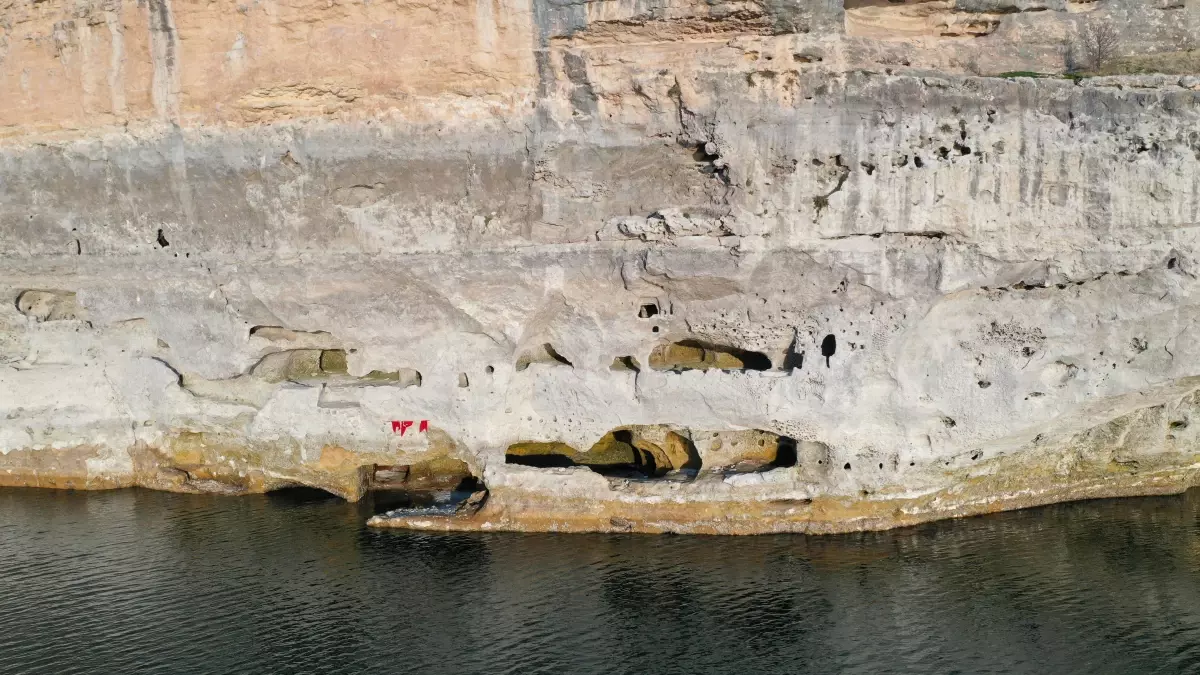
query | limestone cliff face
[654, 265]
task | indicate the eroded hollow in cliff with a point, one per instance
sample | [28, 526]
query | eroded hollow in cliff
[441, 485]
[828, 347]
[648, 309]
[699, 355]
[626, 363]
[296, 495]
[909, 19]
[543, 353]
[300, 365]
[747, 451]
[437, 473]
[628, 452]
[49, 305]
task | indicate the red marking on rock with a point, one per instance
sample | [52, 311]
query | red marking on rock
[424, 426]
[395, 426]
[404, 426]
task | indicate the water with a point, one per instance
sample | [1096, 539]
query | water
[137, 581]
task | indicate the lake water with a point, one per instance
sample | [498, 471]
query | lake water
[137, 581]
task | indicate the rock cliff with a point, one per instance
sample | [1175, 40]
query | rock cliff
[729, 266]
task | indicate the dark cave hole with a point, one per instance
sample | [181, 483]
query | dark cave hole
[469, 484]
[701, 154]
[847, 466]
[794, 358]
[699, 355]
[750, 360]
[544, 353]
[556, 356]
[828, 347]
[540, 461]
[626, 453]
[446, 499]
[300, 495]
[785, 453]
[162, 240]
[640, 464]
[1172, 263]
[627, 363]
[648, 310]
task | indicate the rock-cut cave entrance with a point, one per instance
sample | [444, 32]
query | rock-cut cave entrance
[438, 485]
[633, 452]
[699, 355]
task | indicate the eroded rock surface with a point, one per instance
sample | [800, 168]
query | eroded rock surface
[728, 266]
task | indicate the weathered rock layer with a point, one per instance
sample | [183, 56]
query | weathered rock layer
[654, 265]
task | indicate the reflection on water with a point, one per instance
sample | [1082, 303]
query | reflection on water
[137, 581]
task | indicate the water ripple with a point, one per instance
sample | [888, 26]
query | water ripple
[142, 582]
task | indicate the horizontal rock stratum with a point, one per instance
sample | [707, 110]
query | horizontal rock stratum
[719, 266]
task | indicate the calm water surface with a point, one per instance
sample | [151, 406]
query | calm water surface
[137, 581]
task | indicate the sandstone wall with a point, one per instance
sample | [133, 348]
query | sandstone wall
[241, 240]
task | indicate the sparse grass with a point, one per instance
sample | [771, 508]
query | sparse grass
[1022, 73]
[1043, 76]
[1162, 63]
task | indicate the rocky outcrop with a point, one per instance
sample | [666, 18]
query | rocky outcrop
[698, 266]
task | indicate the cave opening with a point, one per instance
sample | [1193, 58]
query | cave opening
[752, 451]
[828, 347]
[300, 495]
[639, 453]
[785, 454]
[626, 363]
[699, 355]
[441, 485]
[543, 353]
[793, 359]
[617, 458]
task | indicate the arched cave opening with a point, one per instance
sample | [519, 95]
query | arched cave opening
[543, 353]
[785, 453]
[751, 451]
[441, 485]
[700, 355]
[300, 495]
[633, 452]
[828, 347]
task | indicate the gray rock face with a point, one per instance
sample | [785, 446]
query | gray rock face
[798, 264]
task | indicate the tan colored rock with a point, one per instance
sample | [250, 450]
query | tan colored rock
[883, 262]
